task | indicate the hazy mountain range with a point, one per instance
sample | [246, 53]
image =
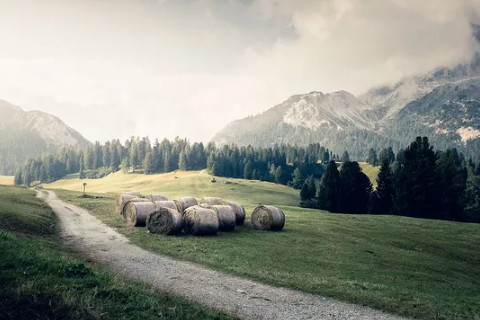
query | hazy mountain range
[443, 104]
[25, 134]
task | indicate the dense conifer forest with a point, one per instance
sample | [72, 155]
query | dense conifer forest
[417, 181]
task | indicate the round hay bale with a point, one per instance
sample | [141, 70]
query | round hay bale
[211, 200]
[133, 193]
[165, 221]
[184, 203]
[127, 201]
[156, 197]
[137, 212]
[239, 211]
[268, 218]
[204, 205]
[200, 221]
[165, 204]
[226, 217]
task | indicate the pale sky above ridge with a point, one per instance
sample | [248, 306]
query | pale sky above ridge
[117, 68]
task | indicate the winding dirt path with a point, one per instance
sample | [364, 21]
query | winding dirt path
[237, 296]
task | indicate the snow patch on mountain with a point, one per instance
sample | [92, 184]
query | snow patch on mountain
[468, 133]
[332, 110]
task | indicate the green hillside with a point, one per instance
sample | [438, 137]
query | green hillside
[40, 279]
[422, 268]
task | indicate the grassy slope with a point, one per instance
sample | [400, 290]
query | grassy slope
[370, 171]
[422, 268]
[6, 180]
[40, 279]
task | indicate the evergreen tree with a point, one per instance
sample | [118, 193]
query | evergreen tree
[298, 179]
[325, 157]
[279, 175]
[247, 170]
[81, 173]
[345, 157]
[97, 156]
[355, 189]
[312, 189]
[18, 179]
[416, 192]
[182, 161]
[328, 193]
[451, 178]
[372, 157]
[215, 168]
[305, 192]
[472, 195]
[147, 163]
[384, 193]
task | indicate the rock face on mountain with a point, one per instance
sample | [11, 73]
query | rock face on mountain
[443, 105]
[25, 134]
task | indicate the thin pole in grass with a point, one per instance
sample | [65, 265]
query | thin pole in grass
[84, 185]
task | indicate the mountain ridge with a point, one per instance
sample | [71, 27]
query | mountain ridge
[28, 134]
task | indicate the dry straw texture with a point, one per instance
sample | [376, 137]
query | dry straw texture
[239, 211]
[268, 218]
[165, 221]
[200, 221]
[165, 204]
[156, 197]
[184, 203]
[212, 200]
[123, 208]
[226, 217]
[137, 212]
[123, 198]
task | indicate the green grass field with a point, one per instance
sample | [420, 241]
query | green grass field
[421, 268]
[41, 279]
[370, 171]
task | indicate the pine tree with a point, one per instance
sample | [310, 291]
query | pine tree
[372, 157]
[298, 178]
[182, 161]
[384, 193]
[305, 192]
[326, 157]
[247, 170]
[81, 173]
[312, 189]
[147, 163]
[416, 192]
[355, 189]
[472, 195]
[328, 193]
[214, 168]
[345, 157]
[279, 175]
[451, 179]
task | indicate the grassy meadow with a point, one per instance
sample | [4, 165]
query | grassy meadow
[41, 279]
[421, 268]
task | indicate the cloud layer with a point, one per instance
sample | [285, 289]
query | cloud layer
[166, 68]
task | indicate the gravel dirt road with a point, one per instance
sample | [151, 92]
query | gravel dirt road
[243, 298]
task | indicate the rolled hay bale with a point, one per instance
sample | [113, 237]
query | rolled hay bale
[268, 218]
[133, 193]
[239, 211]
[211, 201]
[165, 204]
[226, 217]
[156, 197]
[127, 200]
[165, 221]
[137, 212]
[200, 221]
[184, 203]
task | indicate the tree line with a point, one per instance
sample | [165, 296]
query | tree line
[416, 182]
[283, 164]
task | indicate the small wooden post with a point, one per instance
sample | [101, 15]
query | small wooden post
[84, 185]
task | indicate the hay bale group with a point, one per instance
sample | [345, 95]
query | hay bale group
[211, 215]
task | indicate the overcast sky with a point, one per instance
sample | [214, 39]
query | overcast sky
[117, 68]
